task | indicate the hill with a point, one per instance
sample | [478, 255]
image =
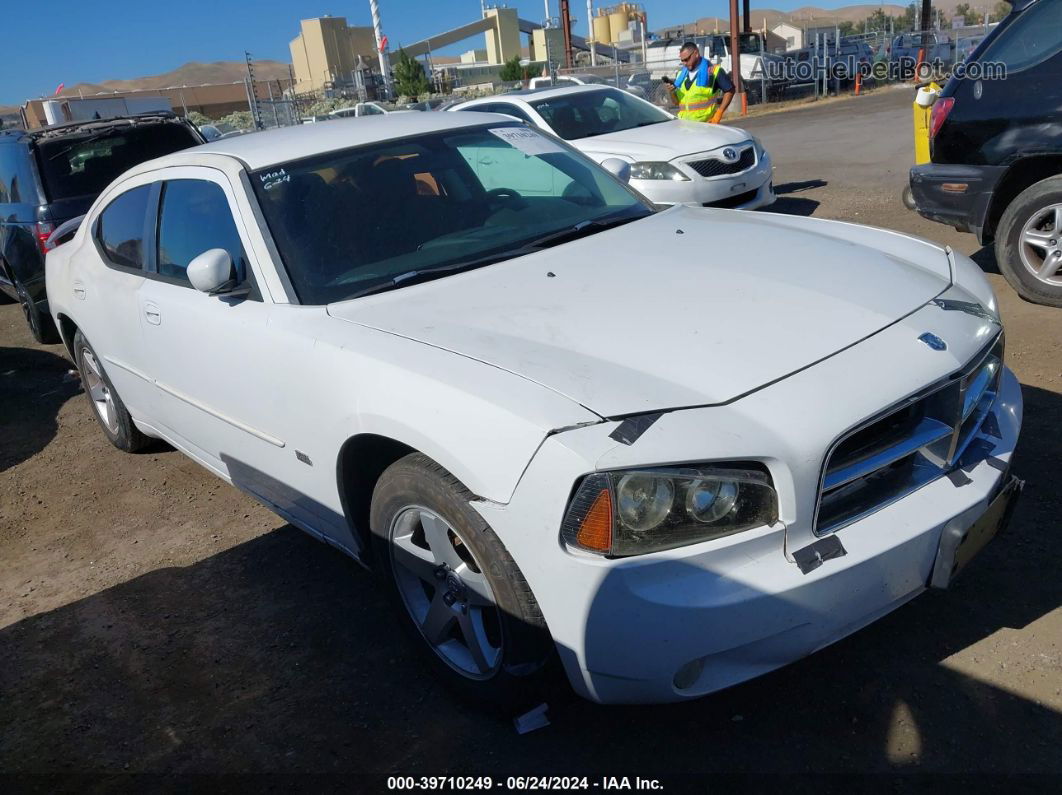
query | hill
[191, 74]
[813, 16]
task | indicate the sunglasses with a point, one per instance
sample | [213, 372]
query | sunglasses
[683, 59]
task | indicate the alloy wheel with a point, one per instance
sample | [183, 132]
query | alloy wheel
[100, 394]
[1040, 245]
[445, 591]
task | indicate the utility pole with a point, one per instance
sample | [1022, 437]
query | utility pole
[566, 28]
[590, 31]
[381, 46]
[745, 17]
[927, 14]
[252, 92]
[735, 53]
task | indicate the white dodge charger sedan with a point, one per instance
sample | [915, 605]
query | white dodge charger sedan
[665, 450]
[672, 161]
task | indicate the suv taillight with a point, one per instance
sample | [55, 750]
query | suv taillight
[44, 231]
[941, 108]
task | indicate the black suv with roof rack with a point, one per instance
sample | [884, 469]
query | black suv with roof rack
[53, 174]
[996, 149]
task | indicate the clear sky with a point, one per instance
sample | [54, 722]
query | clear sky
[75, 41]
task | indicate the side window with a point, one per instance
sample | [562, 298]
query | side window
[194, 218]
[7, 170]
[16, 175]
[120, 228]
[512, 110]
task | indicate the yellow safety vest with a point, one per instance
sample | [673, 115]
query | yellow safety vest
[698, 103]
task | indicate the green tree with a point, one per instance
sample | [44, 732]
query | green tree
[410, 80]
[1000, 11]
[240, 120]
[511, 70]
[198, 119]
[968, 14]
[847, 28]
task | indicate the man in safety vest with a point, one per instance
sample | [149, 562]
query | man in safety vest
[702, 92]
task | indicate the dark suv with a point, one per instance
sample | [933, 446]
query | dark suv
[996, 147]
[51, 175]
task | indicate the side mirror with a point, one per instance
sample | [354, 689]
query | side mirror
[620, 169]
[212, 271]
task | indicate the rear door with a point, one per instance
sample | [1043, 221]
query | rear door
[104, 303]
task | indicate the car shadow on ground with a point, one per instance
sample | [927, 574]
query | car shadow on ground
[788, 204]
[280, 654]
[34, 384]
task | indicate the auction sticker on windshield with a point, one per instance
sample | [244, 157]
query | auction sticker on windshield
[527, 141]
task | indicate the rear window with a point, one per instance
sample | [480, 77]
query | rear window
[1031, 38]
[86, 164]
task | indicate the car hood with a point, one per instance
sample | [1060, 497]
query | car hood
[664, 141]
[688, 307]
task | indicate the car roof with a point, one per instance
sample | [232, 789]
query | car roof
[284, 144]
[544, 93]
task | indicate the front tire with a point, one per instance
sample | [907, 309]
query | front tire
[465, 601]
[1029, 243]
[107, 407]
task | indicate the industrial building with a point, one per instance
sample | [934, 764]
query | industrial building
[326, 51]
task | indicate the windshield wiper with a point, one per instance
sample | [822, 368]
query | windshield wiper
[426, 275]
[581, 229]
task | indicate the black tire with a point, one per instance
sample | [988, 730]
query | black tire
[1029, 203]
[41, 325]
[125, 435]
[528, 660]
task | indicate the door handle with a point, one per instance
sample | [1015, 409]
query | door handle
[79, 290]
[152, 313]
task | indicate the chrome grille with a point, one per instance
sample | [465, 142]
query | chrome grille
[908, 446]
[713, 167]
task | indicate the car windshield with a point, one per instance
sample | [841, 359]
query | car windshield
[587, 113]
[85, 164]
[750, 43]
[380, 216]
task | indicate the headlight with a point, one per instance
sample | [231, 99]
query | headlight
[651, 170]
[646, 510]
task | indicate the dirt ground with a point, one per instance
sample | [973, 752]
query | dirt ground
[155, 620]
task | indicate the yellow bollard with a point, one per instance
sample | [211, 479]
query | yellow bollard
[923, 109]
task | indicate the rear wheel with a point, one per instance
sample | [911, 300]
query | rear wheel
[107, 407]
[42, 327]
[465, 601]
[1029, 243]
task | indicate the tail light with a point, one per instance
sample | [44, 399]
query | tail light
[44, 231]
[941, 108]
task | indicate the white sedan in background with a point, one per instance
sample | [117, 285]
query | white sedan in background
[672, 161]
[567, 428]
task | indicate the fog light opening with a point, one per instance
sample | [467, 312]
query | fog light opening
[687, 676]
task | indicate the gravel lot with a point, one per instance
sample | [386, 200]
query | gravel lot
[155, 620]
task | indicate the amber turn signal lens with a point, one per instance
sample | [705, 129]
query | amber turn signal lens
[595, 531]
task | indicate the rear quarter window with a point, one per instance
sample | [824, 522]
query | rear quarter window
[120, 228]
[1032, 37]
